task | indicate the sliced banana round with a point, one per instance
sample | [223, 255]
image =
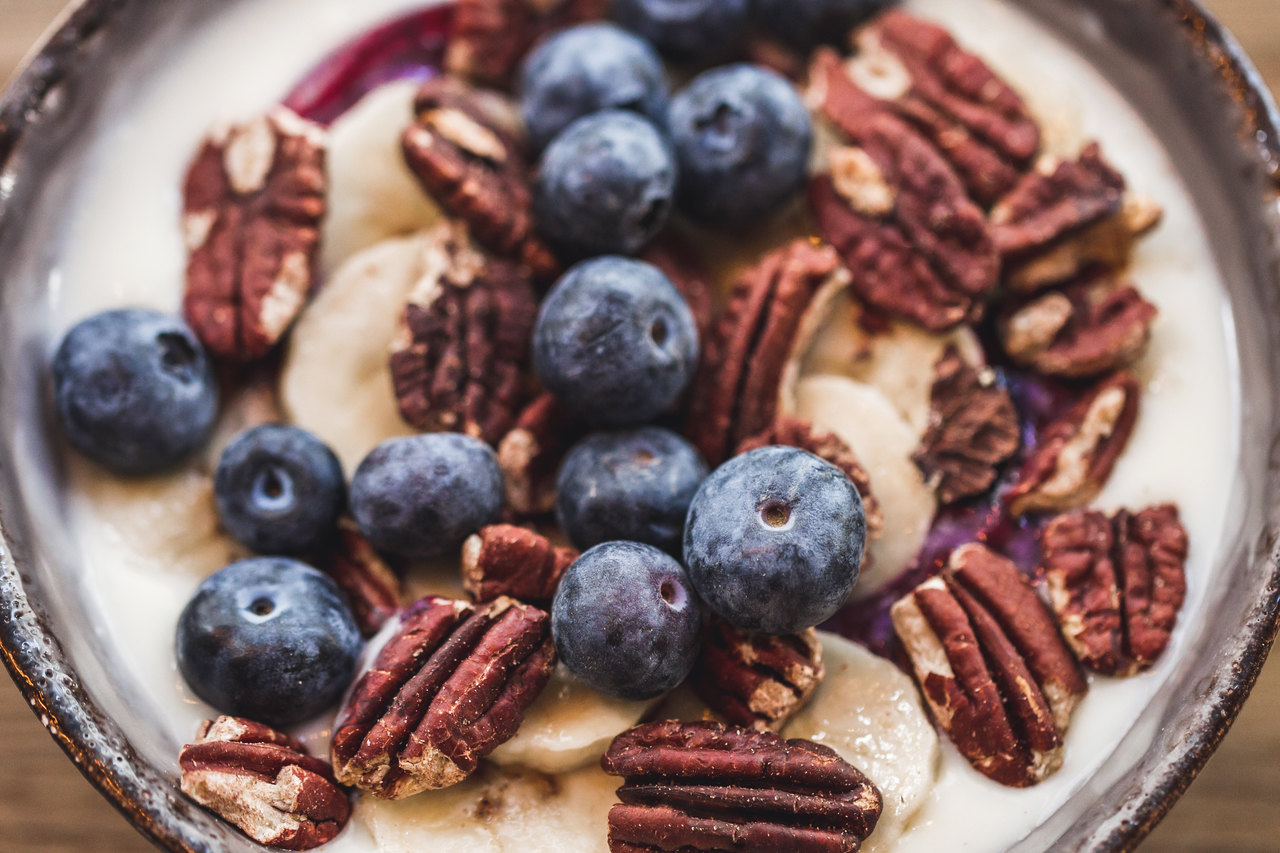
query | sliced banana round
[372, 193]
[869, 711]
[884, 442]
[570, 726]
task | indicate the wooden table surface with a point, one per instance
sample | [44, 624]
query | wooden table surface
[46, 806]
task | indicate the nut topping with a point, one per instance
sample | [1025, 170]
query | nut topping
[370, 585]
[252, 204]
[1117, 584]
[505, 560]
[677, 261]
[706, 787]
[973, 430]
[490, 37]
[758, 681]
[1076, 453]
[264, 782]
[445, 691]
[457, 363]
[530, 454]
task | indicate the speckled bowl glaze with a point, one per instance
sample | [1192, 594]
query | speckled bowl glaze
[1169, 57]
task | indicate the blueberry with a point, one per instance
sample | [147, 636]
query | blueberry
[134, 390]
[701, 30]
[742, 139]
[615, 342]
[606, 184]
[584, 70]
[626, 621]
[422, 496]
[634, 485]
[804, 23]
[270, 639]
[774, 540]
[279, 490]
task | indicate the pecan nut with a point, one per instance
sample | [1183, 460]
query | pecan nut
[457, 364]
[490, 37]
[759, 681]
[735, 393]
[264, 782]
[707, 787]
[793, 432]
[973, 429]
[1075, 454]
[531, 453]
[253, 200]
[476, 171]
[677, 260]
[513, 561]
[1117, 584]
[1087, 329]
[450, 687]
[370, 585]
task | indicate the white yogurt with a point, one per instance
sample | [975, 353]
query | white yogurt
[123, 247]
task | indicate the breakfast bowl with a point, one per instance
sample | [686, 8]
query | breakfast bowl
[97, 130]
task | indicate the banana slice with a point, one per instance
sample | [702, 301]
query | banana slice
[570, 726]
[864, 417]
[869, 711]
[372, 193]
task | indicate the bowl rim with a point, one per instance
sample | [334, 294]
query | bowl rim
[40, 72]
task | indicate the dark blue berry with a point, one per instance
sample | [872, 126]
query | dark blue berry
[279, 490]
[615, 342]
[584, 70]
[422, 496]
[696, 30]
[270, 639]
[742, 139]
[774, 540]
[634, 485]
[626, 621]
[134, 390]
[606, 184]
[804, 23]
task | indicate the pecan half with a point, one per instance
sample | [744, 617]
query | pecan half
[253, 200]
[476, 170]
[1087, 329]
[506, 560]
[973, 429]
[530, 454]
[490, 37]
[1075, 454]
[458, 362]
[264, 782]
[371, 586]
[447, 689]
[759, 681]
[1117, 584]
[735, 393]
[793, 432]
[707, 787]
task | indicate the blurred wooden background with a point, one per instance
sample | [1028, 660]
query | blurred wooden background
[47, 807]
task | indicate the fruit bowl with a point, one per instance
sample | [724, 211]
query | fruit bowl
[1167, 57]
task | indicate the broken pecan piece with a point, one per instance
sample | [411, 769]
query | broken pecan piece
[1117, 584]
[759, 681]
[450, 687]
[1084, 330]
[506, 560]
[707, 787]
[370, 585]
[1075, 454]
[530, 454]
[490, 37]
[264, 782]
[973, 429]
[457, 363]
[253, 200]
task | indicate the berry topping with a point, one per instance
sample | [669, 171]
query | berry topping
[134, 390]
[804, 23]
[634, 485]
[687, 29]
[422, 496]
[270, 639]
[774, 540]
[742, 139]
[626, 620]
[279, 490]
[615, 342]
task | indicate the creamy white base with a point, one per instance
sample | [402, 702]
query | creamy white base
[123, 247]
